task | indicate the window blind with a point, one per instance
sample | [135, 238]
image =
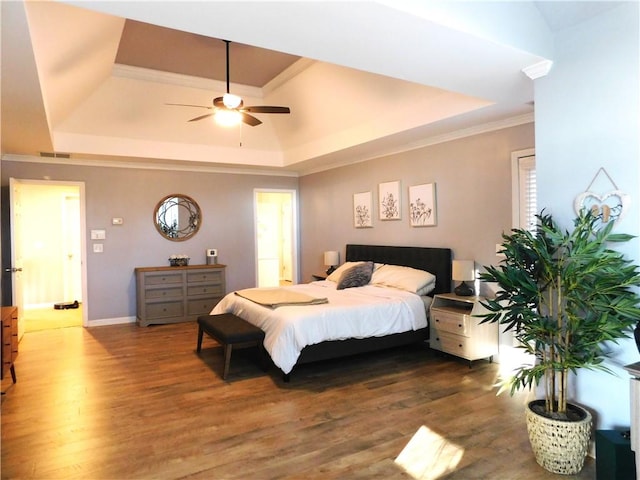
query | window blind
[527, 193]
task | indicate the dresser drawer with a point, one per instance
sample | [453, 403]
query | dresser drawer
[207, 276]
[156, 293]
[445, 321]
[165, 309]
[202, 307]
[209, 290]
[454, 344]
[163, 279]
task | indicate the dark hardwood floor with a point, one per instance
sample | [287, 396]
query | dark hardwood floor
[123, 402]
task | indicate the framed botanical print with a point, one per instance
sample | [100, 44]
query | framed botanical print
[422, 205]
[389, 200]
[362, 210]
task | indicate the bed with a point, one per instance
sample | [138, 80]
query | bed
[384, 317]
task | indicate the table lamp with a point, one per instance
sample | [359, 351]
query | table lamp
[463, 271]
[331, 259]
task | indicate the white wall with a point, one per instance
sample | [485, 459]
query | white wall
[587, 117]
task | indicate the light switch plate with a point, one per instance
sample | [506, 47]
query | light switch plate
[98, 234]
[117, 221]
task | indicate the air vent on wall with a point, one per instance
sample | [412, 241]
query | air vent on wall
[55, 155]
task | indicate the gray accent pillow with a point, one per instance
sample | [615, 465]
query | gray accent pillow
[356, 276]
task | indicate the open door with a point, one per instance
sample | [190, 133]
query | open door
[276, 233]
[15, 206]
[47, 235]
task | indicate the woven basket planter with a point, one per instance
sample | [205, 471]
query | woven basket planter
[559, 446]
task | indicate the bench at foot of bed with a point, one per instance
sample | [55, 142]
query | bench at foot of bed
[231, 332]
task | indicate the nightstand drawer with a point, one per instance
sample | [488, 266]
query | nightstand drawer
[454, 344]
[450, 322]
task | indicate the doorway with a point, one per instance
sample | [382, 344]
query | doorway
[276, 234]
[47, 253]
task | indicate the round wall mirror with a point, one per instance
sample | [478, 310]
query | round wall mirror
[177, 217]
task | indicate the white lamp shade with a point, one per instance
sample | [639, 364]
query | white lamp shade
[463, 270]
[331, 258]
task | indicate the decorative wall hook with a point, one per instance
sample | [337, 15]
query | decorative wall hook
[609, 206]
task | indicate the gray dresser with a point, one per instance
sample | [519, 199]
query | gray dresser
[177, 294]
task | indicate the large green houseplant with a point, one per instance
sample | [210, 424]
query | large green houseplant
[564, 294]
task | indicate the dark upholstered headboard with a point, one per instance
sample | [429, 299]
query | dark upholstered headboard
[434, 260]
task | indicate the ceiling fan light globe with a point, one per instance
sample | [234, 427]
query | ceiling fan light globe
[227, 118]
[231, 101]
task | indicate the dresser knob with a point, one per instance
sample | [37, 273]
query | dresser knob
[437, 320]
[459, 325]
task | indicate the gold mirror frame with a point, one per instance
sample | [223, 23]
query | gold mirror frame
[177, 217]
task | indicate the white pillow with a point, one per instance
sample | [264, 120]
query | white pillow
[404, 278]
[337, 273]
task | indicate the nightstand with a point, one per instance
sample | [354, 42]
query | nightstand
[454, 329]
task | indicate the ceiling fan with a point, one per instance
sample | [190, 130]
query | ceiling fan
[230, 110]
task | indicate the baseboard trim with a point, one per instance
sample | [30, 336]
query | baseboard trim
[110, 321]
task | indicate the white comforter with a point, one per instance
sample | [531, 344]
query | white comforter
[369, 311]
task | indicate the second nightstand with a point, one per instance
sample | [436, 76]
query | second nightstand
[454, 329]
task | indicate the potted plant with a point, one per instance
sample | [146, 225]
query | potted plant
[564, 294]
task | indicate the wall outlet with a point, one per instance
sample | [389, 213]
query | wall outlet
[98, 248]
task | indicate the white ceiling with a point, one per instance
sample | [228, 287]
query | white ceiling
[362, 78]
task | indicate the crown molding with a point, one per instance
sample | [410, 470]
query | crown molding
[538, 70]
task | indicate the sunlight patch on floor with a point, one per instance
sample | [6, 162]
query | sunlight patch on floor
[36, 319]
[429, 456]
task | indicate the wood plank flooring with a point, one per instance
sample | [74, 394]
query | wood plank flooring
[124, 402]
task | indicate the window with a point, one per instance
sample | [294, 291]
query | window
[524, 192]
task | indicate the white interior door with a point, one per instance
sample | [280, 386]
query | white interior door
[72, 259]
[15, 205]
[268, 236]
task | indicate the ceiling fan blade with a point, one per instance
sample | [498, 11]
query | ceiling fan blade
[187, 105]
[201, 117]
[250, 120]
[266, 109]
